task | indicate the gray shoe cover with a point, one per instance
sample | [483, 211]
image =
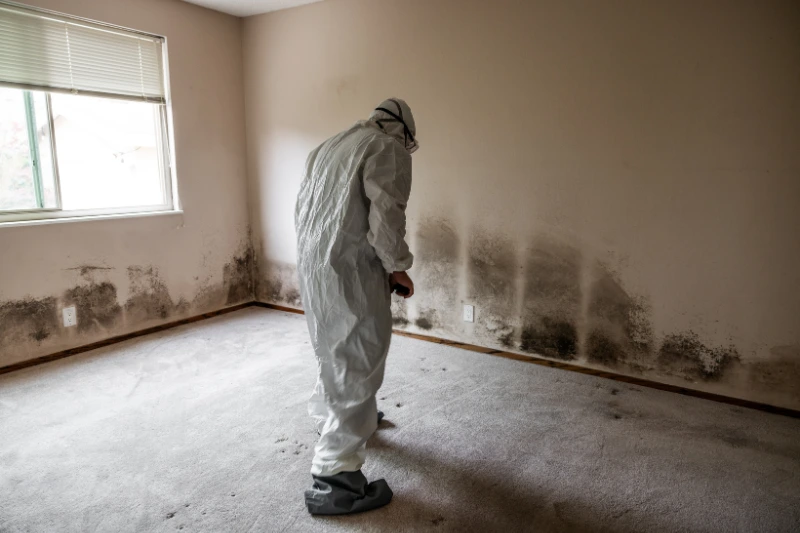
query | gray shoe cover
[380, 416]
[346, 493]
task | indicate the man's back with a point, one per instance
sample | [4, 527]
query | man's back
[332, 212]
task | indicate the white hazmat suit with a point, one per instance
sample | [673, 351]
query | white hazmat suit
[351, 224]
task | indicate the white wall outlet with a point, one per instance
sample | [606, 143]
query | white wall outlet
[469, 313]
[70, 318]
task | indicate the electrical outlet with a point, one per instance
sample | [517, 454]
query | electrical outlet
[70, 318]
[469, 313]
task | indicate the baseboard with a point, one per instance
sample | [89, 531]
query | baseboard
[464, 346]
[279, 308]
[119, 338]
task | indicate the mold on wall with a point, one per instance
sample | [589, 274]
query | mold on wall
[32, 327]
[276, 282]
[492, 273]
[176, 258]
[399, 311]
[552, 300]
[436, 264]
[619, 324]
[30, 320]
[683, 354]
[571, 309]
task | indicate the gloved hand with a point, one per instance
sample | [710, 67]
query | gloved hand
[398, 281]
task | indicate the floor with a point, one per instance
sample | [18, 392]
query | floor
[203, 428]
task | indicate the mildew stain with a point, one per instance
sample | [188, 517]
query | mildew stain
[619, 324]
[277, 283]
[493, 272]
[436, 248]
[96, 306]
[149, 297]
[399, 312]
[237, 277]
[683, 354]
[427, 320]
[28, 319]
[552, 297]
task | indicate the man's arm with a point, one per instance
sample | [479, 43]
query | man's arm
[387, 184]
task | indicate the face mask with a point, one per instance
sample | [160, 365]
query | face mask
[410, 142]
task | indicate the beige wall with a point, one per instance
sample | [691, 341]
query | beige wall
[612, 183]
[151, 270]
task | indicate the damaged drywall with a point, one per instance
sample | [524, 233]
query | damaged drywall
[32, 327]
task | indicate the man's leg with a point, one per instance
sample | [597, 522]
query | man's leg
[351, 374]
[317, 407]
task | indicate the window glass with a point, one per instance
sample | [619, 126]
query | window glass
[107, 152]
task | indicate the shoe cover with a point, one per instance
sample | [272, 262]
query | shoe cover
[346, 493]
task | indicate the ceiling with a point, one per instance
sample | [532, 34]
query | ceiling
[245, 8]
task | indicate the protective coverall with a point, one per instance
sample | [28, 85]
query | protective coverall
[350, 221]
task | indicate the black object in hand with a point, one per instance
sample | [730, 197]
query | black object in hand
[401, 290]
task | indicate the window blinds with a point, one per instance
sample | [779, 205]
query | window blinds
[40, 50]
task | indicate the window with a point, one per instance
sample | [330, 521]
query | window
[83, 118]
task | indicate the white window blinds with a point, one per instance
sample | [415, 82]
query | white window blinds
[40, 50]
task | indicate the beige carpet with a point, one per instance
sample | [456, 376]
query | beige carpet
[203, 428]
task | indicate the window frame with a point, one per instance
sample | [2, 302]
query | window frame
[165, 144]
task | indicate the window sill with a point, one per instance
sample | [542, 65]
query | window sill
[89, 218]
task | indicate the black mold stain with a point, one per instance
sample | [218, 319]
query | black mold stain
[423, 323]
[237, 277]
[552, 300]
[427, 319]
[492, 279]
[601, 349]
[556, 339]
[149, 298]
[619, 324]
[399, 312]
[96, 306]
[27, 319]
[436, 248]
[277, 283]
[683, 354]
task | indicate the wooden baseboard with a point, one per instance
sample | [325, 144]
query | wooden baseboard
[464, 346]
[119, 338]
[279, 308]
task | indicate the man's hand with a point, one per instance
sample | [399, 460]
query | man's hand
[401, 278]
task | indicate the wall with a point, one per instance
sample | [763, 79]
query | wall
[613, 183]
[128, 274]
